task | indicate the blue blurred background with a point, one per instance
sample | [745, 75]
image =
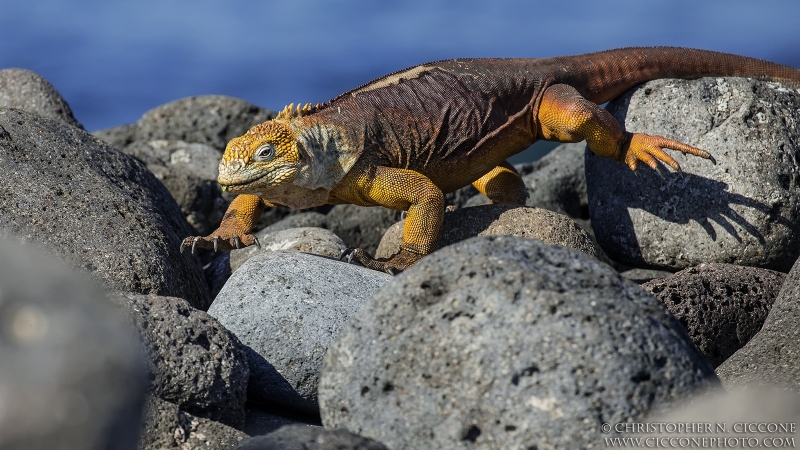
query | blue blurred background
[114, 60]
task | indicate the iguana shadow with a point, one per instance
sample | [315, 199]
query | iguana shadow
[680, 197]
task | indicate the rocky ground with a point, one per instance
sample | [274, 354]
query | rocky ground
[609, 298]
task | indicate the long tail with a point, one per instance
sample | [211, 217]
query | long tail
[605, 75]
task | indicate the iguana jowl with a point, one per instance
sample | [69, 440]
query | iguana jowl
[403, 140]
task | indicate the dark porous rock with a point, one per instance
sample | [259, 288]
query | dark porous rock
[71, 373]
[98, 209]
[771, 356]
[259, 421]
[117, 137]
[505, 342]
[743, 418]
[494, 220]
[167, 426]
[288, 306]
[189, 171]
[743, 210]
[26, 90]
[361, 226]
[209, 119]
[192, 360]
[318, 241]
[305, 437]
[721, 305]
[640, 276]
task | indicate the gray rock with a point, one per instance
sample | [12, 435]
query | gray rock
[361, 226]
[721, 305]
[189, 171]
[167, 426]
[71, 375]
[744, 210]
[117, 137]
[26, 90]
[97, 208]
[288, 307]
[192, 360]
[771, 356]
[501, 341]
[730, 415]
[209, 119]
[260, 422]
[304, 437]
[318, 241]
[494, 220]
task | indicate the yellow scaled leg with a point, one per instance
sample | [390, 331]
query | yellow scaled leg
[234, 231]
[565, 116]
[503, 185]
[403, 190]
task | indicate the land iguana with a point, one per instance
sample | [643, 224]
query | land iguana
[403, 140]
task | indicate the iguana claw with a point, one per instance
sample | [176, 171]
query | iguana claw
[258, 244]
[347, 255]
[237, 242]
[216, 243]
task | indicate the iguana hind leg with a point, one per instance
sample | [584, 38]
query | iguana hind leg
[565, 116]
[403, 190]
[503, 184]
[237, 224]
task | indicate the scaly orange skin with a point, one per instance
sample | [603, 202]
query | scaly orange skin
[405, 139]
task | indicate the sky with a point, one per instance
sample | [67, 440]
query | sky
[115, 60]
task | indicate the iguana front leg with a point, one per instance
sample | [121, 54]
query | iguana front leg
[403, 190]
[565, 116]
[234, 232]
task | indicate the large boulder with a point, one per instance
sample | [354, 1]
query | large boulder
[771, 356]
[494, 220]
[26, 90]
[743, 210]
[721, 305]
[98, 209]
[71, 375]
[192, 360]
[505, 342]
[287, 307]
[209, 119]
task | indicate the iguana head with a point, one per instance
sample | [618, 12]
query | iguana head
[263, 158]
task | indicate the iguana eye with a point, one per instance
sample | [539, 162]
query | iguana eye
[264, 153]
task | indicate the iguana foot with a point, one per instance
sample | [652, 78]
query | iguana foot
[219, 241]
[392, 265]
[649, 149]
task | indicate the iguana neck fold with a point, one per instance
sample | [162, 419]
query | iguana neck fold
[326, 152]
